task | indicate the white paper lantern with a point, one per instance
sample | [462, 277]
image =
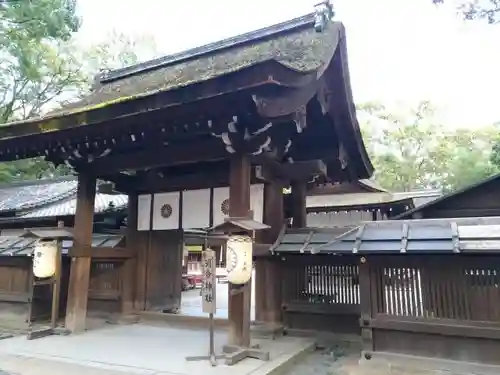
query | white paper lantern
[45, 258]
[239, 259]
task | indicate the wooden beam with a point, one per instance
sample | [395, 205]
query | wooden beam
[176, 154]
[298, 198]
[79, 278]
[103, 252]
[261, 249]
[297, 171]
[15, 297]
[171, 182]
[239, 297]
[174, 182]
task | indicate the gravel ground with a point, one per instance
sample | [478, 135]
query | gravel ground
[335, 359]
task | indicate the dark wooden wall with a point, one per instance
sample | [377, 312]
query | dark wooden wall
[16, 279]
[164, 271]
[481, 200]
[158, 284]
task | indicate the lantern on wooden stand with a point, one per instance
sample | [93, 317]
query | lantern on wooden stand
[47, 270]
[239, 264]
[239, 259]
[45, 258]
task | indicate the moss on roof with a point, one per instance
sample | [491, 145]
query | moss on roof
[304, 51]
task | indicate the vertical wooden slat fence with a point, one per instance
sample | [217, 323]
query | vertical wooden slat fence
[445, 306]
[321, 292]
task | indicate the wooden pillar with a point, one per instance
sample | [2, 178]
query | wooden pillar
[267, 270]
[366, 290]
[299, 213]
[239, 297]
[79, 277]
[129, 267]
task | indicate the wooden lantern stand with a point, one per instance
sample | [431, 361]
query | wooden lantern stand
[209, 303]
[59, 234]
[239, 346]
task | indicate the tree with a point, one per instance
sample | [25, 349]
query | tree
[478, 9]
[33, 71]
[38, 20]
[412, 150]
[42, 66]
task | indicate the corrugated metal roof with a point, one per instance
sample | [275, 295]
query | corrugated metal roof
[18, 246]
[103, 202]
[463, 235]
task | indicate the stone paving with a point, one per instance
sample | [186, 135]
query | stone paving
[333, 360]
[191, 301]
[142, 349]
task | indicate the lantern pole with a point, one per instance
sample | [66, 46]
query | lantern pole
[56, 287]
[209, 302]
[54, 235]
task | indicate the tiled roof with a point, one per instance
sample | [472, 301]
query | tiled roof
[31, 194]
[17, 246]
[103, 203]
[50, 198]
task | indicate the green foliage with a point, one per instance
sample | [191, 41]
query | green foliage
[488, 10]
[37, 20]
[413, 150]
[41, 67]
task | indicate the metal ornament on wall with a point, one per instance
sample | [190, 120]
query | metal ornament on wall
[224, 207]
[323, 14]
[166, 211]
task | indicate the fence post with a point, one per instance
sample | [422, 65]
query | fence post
[365, 300]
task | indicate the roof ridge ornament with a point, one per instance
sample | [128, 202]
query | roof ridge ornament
[323, 14]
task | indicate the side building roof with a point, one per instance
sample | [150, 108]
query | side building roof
[488, 189]
[49, 198]
[400, 237]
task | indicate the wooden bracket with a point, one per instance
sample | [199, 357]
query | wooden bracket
[279, 239]
[454, 237]
[306, 241]
[404, 238]
[359, 235]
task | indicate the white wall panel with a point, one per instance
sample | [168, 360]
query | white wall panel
[166, 209]
[196, 209]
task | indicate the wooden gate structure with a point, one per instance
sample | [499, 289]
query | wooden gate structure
[272, 106]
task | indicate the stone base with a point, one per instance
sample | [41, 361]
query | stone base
[381, 363]
[234, 354]
[271, 330]
[40, 332]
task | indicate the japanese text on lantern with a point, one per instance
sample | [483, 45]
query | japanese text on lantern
[209, 282]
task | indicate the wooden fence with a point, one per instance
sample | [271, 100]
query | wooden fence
[16, 288]
[321, 293]
[443, 306]
[432, 305]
